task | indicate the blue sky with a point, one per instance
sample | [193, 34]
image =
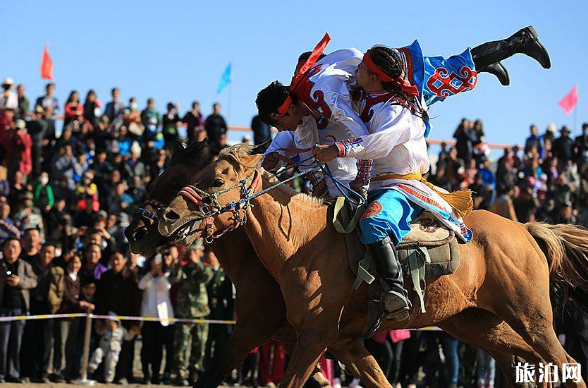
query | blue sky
[178, 50]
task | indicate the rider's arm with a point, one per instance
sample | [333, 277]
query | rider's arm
[394, 126]
[345, 115]
[284, 139]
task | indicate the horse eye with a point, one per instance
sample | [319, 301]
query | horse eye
[218, 183]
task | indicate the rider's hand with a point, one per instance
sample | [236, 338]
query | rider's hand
[270, 161]
[325, 153]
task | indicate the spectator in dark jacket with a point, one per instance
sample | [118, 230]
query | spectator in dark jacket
[261, 131]
[215, 125]
[17, 279]
[38, 338]
[563, 149]
[118, 292]
[194, 124]
[65, 286]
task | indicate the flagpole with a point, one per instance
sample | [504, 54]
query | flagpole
[576, 112]
[230, 98]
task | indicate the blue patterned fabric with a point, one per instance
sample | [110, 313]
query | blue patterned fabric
[437, 77]
[388, 214]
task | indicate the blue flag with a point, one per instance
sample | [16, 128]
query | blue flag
[225, 79]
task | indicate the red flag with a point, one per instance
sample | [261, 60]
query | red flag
[46, 65]
[569, 102]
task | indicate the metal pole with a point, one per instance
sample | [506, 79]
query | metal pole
[86, 354]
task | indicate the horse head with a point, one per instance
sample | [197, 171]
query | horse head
[185, 162]
[216, 200]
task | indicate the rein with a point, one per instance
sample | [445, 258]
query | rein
[213, 207]
[148, 214]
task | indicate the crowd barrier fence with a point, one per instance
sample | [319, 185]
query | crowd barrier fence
[88, 330]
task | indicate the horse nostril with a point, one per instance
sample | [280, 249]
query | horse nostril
[139, 234]
[171, 216]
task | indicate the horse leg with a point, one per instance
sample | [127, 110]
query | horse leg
[313, 339]
[360, 363]
[246, 336]
[317, 379]
[530, 314]
[485, 330]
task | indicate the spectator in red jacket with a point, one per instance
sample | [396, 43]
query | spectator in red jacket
[19, 152]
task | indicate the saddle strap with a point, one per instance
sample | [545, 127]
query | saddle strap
[363, 271]
[339, 204]
[417, 259]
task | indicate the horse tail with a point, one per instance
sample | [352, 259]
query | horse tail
[566, 249]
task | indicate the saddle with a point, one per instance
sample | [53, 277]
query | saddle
[429, 251]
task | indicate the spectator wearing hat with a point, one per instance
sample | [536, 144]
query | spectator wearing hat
[566, 214]
[17, 279]
[563, 149]
[109, 349]
[24, 105]
[8, 99]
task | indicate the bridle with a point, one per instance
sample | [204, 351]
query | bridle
[147, 214]
[208, 206]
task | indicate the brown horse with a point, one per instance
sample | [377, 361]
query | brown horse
[504, 275]
[256, 290]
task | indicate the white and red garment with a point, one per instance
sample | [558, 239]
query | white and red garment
[397, 145]
[306, 135]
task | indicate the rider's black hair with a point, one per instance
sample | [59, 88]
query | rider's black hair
[305, 55]
[390, 62]
[270, 98]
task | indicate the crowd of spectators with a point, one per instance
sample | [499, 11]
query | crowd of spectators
[71, 178]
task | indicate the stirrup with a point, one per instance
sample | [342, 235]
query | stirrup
[374, 317]
[396, 306]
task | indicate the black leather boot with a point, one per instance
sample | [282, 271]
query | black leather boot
[375, 313]
[394, 298]
[499, 71]
[524, 41]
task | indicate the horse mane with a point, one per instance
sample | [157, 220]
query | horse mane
[289, 191]
[239, 151]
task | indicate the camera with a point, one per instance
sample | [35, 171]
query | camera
[8, 273]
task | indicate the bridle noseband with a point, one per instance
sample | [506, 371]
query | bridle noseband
[147, 214]
[208, 206]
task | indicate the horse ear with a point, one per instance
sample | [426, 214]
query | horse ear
[258, 149]
[177, 150]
